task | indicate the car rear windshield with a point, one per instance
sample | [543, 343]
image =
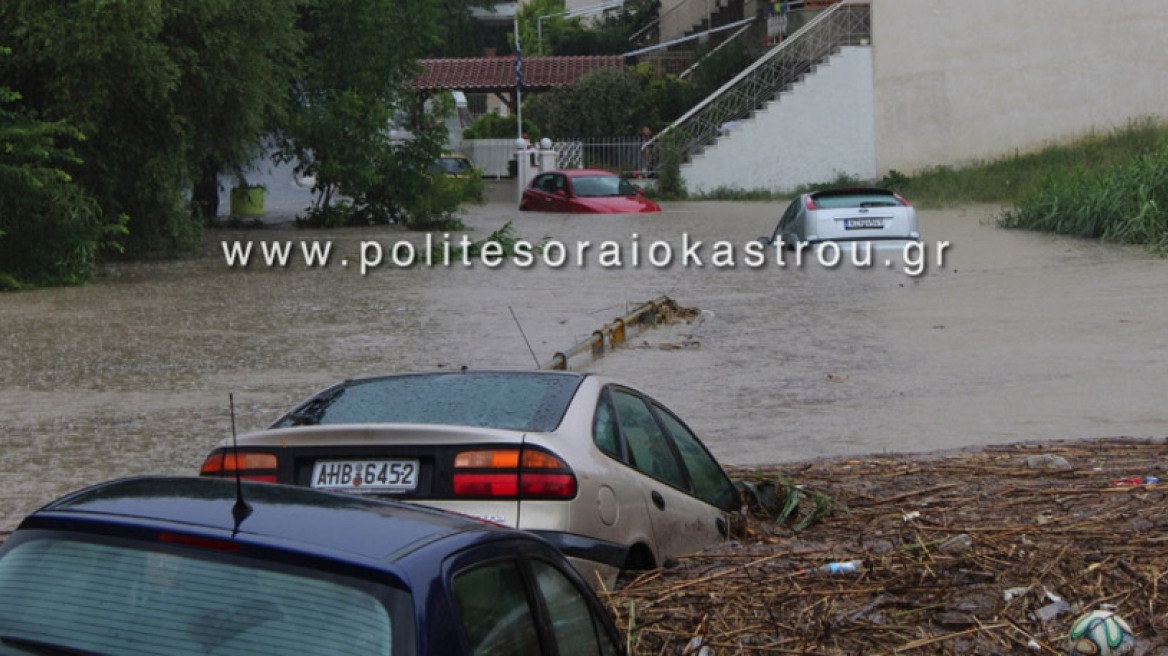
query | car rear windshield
[453, 165]
[525, 401]
[65, 593]
[602, 185]
[869, 199]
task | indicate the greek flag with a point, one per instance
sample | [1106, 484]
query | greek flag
[518, 66]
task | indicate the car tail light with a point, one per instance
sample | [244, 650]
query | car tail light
[902, 200]
[499, 474]
[809, 203]
[249, 465]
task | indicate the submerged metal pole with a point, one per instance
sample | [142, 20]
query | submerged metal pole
[614, 334]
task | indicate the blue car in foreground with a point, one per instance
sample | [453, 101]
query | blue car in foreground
[175, 566]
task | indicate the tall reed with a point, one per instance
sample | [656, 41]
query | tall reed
[1125, 202]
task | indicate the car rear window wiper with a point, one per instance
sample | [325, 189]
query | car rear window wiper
[34, 646]
[310, 413]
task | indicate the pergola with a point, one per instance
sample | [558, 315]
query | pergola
[497, 74]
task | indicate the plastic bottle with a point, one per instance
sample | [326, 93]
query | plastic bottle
[956, 544]
[845, 567]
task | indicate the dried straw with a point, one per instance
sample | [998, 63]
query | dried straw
[1002, 535]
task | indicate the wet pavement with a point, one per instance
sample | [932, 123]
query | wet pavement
[1016, 336]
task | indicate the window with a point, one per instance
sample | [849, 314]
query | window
[648, 445]
[789, 215]
[604, 428]
[576, 630]
[116, 597]
[602, 185]
[492, 604]
[710, 482]
[510, 401]
[836, 201]
[546, 183]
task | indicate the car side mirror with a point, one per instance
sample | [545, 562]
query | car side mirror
[640, 192]
[562, 193]
[765, 241]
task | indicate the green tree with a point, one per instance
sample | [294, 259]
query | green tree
[536, 36]
[237, 62]
[460, 34]
[360, 58]
[101, 67]
[611, 33]
[50, 228]
[495, 126]
[602, 103]
[718, 68]
[166, 92]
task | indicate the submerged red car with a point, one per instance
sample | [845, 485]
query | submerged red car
[584, 191]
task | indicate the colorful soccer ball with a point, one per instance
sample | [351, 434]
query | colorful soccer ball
[1101, 633]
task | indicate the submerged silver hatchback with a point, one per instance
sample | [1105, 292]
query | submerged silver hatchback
[601, 470]
[858, 214]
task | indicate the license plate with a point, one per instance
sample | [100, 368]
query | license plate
[384, 475]
[862, 224]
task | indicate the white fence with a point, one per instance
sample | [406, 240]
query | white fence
[617, 154]
[491, 156]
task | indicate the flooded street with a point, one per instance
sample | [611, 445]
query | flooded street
[1017, 336]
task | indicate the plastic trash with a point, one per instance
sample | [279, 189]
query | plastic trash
[956, 544]
[1135, 480]
[1013, 593]
[1051, 611]
[845, 567]
[1047, 461]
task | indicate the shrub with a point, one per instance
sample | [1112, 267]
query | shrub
[670, 184]
[494, 126]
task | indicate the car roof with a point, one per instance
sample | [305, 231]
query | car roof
[850, 191]
[515, 372]
[285, 515]
[580, 173]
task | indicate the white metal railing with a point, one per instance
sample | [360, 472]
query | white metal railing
[845, 23]
[618, 154]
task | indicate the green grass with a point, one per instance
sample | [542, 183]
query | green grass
[1008, 179]
[1125, 202]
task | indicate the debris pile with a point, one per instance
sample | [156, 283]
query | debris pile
[993, 551]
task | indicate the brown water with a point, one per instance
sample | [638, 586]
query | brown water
[1018, 336]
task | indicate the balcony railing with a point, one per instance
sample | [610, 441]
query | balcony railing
[844, 23]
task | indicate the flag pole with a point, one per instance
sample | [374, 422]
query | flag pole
[518, 80]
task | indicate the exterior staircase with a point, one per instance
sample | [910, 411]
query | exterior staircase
[766, 82]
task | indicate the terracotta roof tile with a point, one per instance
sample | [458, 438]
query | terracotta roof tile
[498, 73]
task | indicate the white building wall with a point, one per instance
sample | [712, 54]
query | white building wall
[957, 81]
[820, 128]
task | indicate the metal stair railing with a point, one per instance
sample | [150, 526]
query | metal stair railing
[845, 23]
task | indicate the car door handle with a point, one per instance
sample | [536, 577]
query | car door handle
[658, 500]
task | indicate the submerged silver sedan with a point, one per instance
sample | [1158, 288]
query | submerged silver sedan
[606, 473]
[860, 214]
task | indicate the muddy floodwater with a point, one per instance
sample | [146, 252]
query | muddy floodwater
[1014, 336]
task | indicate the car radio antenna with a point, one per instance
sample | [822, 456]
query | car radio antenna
[241, 510]
[524, 335]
